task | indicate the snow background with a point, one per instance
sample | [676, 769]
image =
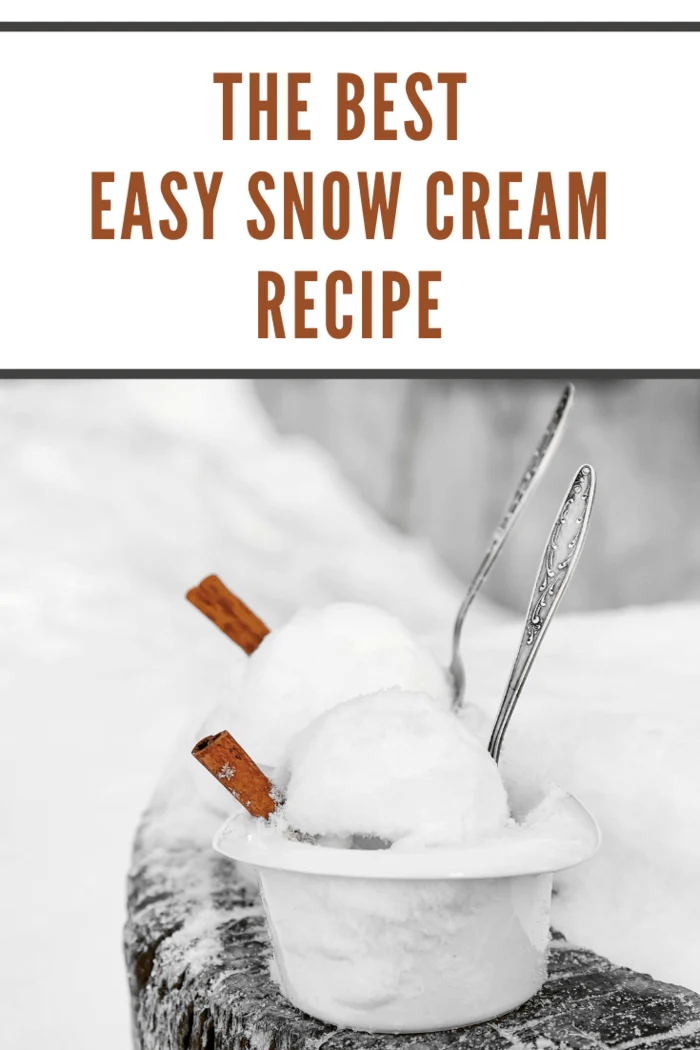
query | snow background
[118, 496]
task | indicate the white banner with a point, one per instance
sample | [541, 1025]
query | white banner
[412, 200]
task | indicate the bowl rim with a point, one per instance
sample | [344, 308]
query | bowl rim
[566, 837]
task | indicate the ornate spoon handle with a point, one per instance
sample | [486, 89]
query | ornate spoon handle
[558, 563]
[535, 469]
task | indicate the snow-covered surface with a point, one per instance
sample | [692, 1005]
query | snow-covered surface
[393, 766]
[116, 497]
[611, 713]
[119, 495]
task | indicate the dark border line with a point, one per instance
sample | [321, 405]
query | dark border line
[350, 27]
[349, 373]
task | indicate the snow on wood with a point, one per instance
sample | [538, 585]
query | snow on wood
[198, 960]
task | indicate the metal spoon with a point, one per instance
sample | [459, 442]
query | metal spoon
[556, 569]
[535, 469]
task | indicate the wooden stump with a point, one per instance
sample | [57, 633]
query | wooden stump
[198, 956]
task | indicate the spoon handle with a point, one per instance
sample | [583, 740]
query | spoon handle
[559, 560]
[534, 471]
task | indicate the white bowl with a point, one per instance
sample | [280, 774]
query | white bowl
[394, 941]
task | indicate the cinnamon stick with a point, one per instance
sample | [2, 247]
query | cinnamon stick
[229, 613]
[234, 768]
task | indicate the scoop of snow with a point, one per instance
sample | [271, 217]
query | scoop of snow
[394, 766]
[320, 658]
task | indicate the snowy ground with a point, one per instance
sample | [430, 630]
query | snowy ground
[118, 496]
